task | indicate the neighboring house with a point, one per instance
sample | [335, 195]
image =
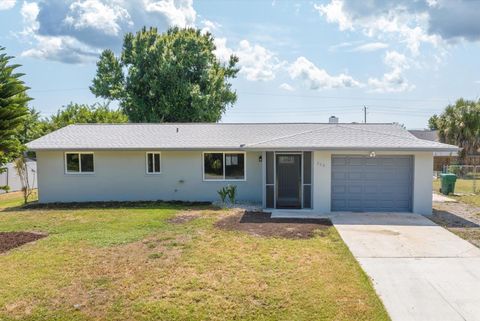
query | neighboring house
[440, 159]
[324, 167]
[11, 179]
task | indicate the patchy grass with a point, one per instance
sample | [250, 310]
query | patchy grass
[470, 234]
[131, 263]
[464, 188]
[15, 199]
[460, 218]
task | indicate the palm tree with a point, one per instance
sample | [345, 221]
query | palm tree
[459, 124]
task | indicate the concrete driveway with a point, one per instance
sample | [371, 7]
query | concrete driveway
[420, 270]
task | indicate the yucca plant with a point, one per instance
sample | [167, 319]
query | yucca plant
[223, 192]
[232, 193]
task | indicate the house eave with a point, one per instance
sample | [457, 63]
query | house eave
[231, 148]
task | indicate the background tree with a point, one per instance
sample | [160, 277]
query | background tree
[33, 127]
[169, 77]
[81, 113]
[13, 110]
[459, 124]
[432, 122]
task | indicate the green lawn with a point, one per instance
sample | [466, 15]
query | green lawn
[14, 199]
[462, 186]
[130, 263]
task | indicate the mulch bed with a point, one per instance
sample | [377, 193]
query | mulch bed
[262, 224]
[10, 240]
[112, 204]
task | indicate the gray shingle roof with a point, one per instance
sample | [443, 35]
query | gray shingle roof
[426, 134]
[235, 136]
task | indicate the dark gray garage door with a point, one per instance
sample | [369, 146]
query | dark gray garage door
[362, 183]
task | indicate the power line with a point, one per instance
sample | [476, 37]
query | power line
[345, 97]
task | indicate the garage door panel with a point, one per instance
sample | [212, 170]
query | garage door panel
[354, 189]
[354, 176]
[338, 175]
[352, 161]
[340, 204]
[355, 204]
[382, 183]
[339, 189]
[339, 161]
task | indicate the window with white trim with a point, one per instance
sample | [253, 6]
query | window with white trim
[79, 163]
[154, 163]
[223, 166]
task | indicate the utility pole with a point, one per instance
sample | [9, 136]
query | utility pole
[364, 114]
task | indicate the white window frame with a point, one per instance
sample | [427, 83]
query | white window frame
[225, 179]
[79, 163]
[146, 163]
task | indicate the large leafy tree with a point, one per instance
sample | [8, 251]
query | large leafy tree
[459, 124]
[169, 77]
[13, 110]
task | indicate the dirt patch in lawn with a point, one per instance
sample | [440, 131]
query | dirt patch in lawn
[459, 218]
[10, 240]
[184, 217]
[262, 224]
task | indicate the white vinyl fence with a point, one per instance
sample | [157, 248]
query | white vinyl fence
[10, 177]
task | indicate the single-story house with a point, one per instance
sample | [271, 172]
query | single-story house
[323, 167]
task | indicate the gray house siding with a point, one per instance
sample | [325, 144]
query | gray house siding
[121, 176]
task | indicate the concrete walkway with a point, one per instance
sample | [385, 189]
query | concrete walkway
[420, 270]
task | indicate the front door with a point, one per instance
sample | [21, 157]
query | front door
[289, 180]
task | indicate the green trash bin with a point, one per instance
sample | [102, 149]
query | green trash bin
[448, 183]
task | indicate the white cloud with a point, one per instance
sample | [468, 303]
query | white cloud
[372, 46]
[286, 87]
[256, 62]
[7, 4]
[29, 12]
[393, 80]
[86, 27]
[222, 52]
[94, 14]
[334, 12]
[415, 23]
[65, 49]
[382, 20]
[209, 26]
[316, 78]
[179, 12]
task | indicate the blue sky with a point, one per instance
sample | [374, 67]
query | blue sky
[299, 60]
